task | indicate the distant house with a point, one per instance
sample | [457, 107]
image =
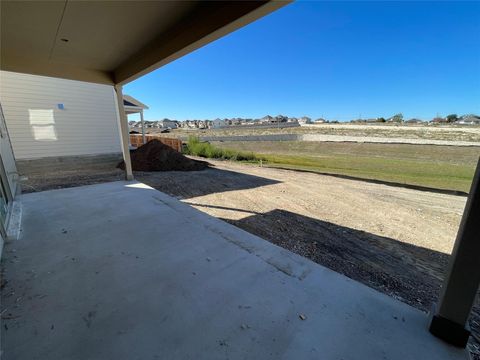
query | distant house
[320, 121]
[439, 120]
[167, 124]
[218, 123]
[468, 120]
[414, 121]
[266, 119]
[397, 118]
[304, 120]
[279, 119]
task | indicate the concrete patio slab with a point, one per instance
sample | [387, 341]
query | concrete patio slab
[122, 271]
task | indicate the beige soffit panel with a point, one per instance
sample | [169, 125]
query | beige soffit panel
[210, 21]
[115, 30]
[28, 35]
[113, 41]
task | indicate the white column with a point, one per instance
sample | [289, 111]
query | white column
[124, 132]
[143, 127]
[450, 320]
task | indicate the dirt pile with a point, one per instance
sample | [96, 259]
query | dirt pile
[156, 156]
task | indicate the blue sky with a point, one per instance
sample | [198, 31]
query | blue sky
[338, 60]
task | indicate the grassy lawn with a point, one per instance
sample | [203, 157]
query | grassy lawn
[441, 167]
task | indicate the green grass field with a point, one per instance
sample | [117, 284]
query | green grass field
[440, 167]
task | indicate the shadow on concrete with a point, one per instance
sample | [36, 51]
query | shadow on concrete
[410, 273]
[190, 184]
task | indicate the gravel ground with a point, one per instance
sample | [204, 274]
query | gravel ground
[60, 179]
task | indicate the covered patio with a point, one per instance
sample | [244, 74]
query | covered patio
[122, 271]
[94, 277]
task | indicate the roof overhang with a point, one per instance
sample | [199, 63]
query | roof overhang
[114, 42]
[132, 109]
[130, 101]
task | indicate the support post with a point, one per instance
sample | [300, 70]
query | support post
[124, 133]
[450, 318]
[143, 127]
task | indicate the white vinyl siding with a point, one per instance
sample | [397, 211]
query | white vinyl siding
[88, 124]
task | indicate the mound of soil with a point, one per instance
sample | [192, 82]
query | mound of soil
[156, 156]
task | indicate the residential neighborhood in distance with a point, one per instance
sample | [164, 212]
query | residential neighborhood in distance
[268, 121]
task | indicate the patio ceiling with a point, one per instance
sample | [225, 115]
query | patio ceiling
[114, 42]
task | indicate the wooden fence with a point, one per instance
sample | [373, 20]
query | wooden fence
[136, 140]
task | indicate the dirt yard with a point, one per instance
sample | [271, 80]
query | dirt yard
[452, 134]
[393, 239]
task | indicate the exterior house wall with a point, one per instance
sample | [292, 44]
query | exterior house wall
[168, 124]
[38, 128]
[218, 123]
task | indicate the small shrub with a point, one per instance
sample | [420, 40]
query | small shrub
[204, 149]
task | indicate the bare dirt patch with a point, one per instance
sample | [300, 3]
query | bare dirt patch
[156, 156]
[70, 177]
[452, 134]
